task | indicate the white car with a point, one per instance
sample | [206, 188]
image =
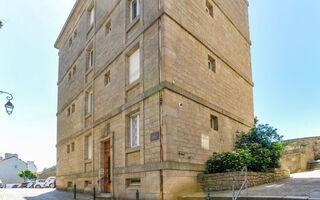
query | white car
[39, 183]
[1, 184]
[50, 182]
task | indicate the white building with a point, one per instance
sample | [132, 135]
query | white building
[11, 165]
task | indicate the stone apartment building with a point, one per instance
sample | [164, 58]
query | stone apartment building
[148, 89]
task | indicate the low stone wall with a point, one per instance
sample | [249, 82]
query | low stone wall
[296, 158]
[224, 181]
[311, 142]
[47, 173]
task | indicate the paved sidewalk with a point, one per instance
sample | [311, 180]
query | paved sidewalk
[39, 194]
[304, 184]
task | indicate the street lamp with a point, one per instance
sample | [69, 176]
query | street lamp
[9, 106]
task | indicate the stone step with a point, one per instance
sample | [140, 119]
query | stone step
[313, 165]
[204, 197]
[104, 196]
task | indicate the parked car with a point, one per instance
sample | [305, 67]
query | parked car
[50, 182]
[15, 186]
[39, 183]
[1, 184]
[31, 184]
[23, 185]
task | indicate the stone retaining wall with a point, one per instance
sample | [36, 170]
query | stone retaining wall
[224, 181]
[296, 158]
[311, 142]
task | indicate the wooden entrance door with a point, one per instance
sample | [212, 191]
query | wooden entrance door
[107, 167]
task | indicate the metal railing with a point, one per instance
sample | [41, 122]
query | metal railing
[235, 196]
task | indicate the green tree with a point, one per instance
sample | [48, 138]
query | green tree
[27, 174]
[263, 142]
[260, 150]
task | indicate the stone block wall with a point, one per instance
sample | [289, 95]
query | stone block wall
[224, 181]
[296, 158]
[311, 142]
[175, 96]
[47, 173]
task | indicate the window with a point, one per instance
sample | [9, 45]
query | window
[75, 33]
[133, 182]
[69, 76]
[91, 16]
[134, 66]
[73, 108]
[89, 146]
[108, 27]
[211, 64]
[89, 101]
[74, 70]
[87, 183]
[70, 41]
[68, 148]
[214, 122]
[134, 9]
[69, 184]
[209, 8]
[107, 78]
[72, 146]
[16, 166]
[90, 58]
[68, 112]
[134, 130]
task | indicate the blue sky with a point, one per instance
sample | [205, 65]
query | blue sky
[29, 70]
[285, 48]
[285, 51]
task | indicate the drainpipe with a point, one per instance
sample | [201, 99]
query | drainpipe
[160, 107]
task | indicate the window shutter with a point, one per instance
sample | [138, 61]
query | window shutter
[134, 66]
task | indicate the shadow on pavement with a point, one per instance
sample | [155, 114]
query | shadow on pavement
[58, 195]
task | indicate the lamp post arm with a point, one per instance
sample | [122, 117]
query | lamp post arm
[9, 96]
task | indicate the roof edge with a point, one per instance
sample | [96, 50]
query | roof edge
[57, 43]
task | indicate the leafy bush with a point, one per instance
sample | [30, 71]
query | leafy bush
[228, 161]
[260, 149]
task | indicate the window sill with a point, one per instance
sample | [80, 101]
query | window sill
[88, 115]
[89, 70]
[132, 23]
[132, 85]
[133, 149]
[214, 131]
[88, 161]
[133, 187]
[90, 28]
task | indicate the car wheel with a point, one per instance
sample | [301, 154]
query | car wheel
[38, 186]
[51, 186]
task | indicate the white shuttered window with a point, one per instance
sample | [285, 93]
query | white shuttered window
[134, 130]
[91, 16]
[90, 102]
[134, 66]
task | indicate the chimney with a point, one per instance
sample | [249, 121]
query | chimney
[9, 155]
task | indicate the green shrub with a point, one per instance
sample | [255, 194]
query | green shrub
[228, 161]
[260, 149]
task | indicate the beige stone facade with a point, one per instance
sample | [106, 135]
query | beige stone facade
[191, 94]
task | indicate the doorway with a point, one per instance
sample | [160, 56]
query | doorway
[107, 167]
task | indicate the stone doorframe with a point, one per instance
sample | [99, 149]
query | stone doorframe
[101, 176]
